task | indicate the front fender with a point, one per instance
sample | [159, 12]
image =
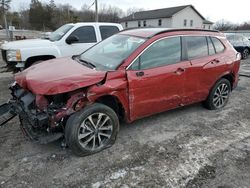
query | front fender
[39, 51]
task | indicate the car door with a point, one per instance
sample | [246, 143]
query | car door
[86, 38]
[207, 66]
[156, 78]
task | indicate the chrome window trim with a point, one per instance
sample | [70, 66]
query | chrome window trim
[196, 35]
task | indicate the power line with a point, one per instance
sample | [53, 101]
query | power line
[91, 4]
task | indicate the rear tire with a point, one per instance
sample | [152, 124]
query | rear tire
[219, 95]
[92, 129]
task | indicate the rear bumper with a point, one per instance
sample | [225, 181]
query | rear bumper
[236, 81]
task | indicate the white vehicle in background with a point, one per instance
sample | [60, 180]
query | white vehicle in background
[68, 40]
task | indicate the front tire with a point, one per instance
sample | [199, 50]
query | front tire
[92, 129]
[219, 95]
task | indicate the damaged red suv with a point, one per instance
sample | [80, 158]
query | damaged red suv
[131, 75]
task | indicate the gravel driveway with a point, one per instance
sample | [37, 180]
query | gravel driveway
[187, 147]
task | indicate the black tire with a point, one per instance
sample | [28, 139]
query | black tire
[212, 103]
[245, 53]
[74, 128]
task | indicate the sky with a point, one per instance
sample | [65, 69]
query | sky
[214, 10]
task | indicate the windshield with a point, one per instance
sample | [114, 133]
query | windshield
[108, 54]
[60, 32]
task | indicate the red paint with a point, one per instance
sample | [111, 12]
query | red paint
[58, 76]
[41, 102]
[160, 88]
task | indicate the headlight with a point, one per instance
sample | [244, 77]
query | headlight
[14, 55]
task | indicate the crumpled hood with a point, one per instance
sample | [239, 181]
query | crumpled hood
[28, 43]
[58, 76]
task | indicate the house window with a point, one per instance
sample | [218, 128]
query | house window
[191, 23]
[159, 22]
[185, 23]
[126, 24]
[209, 27]
[145, 23]
[204, 26]
[139, 23]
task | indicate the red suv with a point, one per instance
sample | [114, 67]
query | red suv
[131, 75]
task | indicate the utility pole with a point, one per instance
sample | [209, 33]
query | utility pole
[5, 20]
[96, 11]
[6, 27]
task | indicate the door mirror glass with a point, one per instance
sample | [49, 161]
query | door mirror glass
[72, 39]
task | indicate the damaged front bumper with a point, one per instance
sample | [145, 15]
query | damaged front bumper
[6, 113]
[34, 123]
[42, 118]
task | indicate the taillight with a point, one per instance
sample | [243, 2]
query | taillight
[238, 56]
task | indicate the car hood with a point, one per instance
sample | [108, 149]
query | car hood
[29, 43]
[58, 76]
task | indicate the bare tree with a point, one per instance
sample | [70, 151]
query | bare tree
[133, 10]
[223, 25]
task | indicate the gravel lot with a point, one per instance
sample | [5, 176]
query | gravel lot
[187, 147]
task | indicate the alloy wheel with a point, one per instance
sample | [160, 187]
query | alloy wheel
[95, 131]
[221, 95]
[245, 54]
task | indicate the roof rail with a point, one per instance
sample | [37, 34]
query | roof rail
[183, 29]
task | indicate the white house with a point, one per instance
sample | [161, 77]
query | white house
[174, 17]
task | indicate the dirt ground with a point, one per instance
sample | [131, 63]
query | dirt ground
[188, 147]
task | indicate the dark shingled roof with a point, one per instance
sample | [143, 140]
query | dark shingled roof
[207, 22]
[158, 13]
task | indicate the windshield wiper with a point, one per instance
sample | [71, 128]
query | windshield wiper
[89, 64]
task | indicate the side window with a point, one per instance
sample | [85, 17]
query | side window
[196, 46]
[219, 47]
[107, 31]
[163, 52]
[86, 34]
[211, 50]
[139, 23]
[159, 22]
[191, 23]
[185, 23]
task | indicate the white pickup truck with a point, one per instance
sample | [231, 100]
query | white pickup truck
[70, 39]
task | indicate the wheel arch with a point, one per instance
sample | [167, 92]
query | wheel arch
[33, 59]
[114, 103]
[230, 77]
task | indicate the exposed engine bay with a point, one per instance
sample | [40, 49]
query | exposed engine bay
[42, 118]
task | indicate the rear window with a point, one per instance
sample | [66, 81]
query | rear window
[219, 47]
[107, 31]
[196, 46]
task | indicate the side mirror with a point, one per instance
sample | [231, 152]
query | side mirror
[72, 39]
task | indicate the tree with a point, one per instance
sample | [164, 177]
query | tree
[5, 6]
[52, 5]
[39, 15]
[223, 25]
[133, 10]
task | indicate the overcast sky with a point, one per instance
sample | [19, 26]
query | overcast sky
[234, 11]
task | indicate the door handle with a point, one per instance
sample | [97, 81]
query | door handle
[215, 61]
[139, 74]
[179, 71]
